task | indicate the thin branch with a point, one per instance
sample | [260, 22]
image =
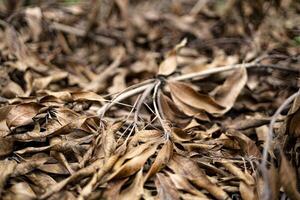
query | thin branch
[157, 111]
[141, 101]
[228, 68]
[121, 97]
[273, 120]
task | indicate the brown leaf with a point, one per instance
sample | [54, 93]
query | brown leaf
[6, 146]
[145, 136]
[135, 190]
[20, 191]
[181, 183]
[12, 90]
[135, 164]
[113, 189]
[226, 94]
[165, 187]
[43, 82]
[169, 65]
[41, 180]
[7, 167]
[162, 159]
[22, 114]
[188, 96]
[172, 113]
[87, 96]
[189, 169]
[29, 165]
[26, 59]
[293, 124]
[108, 139]
[248, 146]
[247, 192]
[288, 179]
[246, 177]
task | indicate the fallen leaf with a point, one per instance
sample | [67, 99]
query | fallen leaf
[169, 65]
[188, 96]
[135, 190]
[288, 179]
[227, 93]
[161, 160]
[20, 191]
[135, 164]
[7, 168]
[22, 114]
[165, 187]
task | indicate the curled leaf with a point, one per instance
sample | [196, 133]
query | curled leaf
[187, 96]
[169, 65]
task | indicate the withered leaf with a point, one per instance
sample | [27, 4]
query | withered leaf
[181, 183]
[172, 113]
[293, 124]
[247, 145]
[33, 17]
[113, 189]
[20, 191]
[226, 94]
[162, 159]
[6, 146]
[135, 164]
[189, 169]
[169, 65]
[188, 96]
[135, 190]
[165, 187]
[288, 178]
[246, 177]
[7, 167]
[22, 114]
[108, 139]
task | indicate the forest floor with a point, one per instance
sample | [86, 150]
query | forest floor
[160, 99]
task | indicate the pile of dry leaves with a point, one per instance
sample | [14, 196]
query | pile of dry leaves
[160, 99]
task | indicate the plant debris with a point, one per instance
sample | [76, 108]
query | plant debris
[123, 99]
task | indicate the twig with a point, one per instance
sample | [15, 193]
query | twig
[82, 33]
[123, 96]
[228, 68]
[141, 101]
[273, 120]
[157, 111]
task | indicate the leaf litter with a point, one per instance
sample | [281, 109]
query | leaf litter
[149, 100]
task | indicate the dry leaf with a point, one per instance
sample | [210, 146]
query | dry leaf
[169, 65]
[7, 167]
[165, 188]
[135, 190]
[22, 114]
[161, 160]
[188, 96]
[288, 179]
[172, 113]
[226, 94]
[135, 164]
[20, 191]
